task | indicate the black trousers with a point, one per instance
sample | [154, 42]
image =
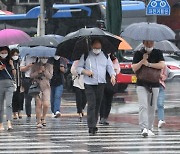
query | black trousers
[80, 99]
[26, 84]
[106, 103]
[17, 100]
[94, 94]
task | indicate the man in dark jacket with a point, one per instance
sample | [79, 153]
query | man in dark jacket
[57, 81]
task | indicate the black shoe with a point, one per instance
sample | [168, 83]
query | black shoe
[93, 130]
[28, 115]
[105, 123]
[80, 117]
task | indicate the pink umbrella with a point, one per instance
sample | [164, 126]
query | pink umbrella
[13, 36]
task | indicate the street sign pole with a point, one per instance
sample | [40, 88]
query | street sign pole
[42, 19]
[150, 18]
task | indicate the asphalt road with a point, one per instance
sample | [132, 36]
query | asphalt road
[67, 135]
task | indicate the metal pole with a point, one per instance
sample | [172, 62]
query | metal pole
[42, 20]
[150, 18]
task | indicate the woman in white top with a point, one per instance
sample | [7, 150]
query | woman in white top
[79, 90]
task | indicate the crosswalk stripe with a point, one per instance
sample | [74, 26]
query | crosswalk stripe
[66, 135]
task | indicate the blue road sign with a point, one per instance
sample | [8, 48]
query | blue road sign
[158, 7]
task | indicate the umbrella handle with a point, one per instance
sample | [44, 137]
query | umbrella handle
[87, 42]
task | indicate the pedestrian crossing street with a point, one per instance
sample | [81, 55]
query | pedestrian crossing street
[68, 135]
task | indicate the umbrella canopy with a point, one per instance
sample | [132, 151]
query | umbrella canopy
[39, 51]
[46, 40]
[114, 16]
[13, 36]
[148, 31]
[77, 43]
[23, 51]
[124, 45]
[165, 46]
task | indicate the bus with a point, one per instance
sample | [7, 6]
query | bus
[71, 17]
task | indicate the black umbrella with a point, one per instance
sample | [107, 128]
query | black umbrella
[46, 40]
[77, 43]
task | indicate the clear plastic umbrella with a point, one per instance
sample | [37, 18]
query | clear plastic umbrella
[148, 31]
[39, 51]
[165, 46]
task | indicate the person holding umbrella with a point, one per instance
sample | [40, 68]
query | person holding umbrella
[25, 67]
[42, 72]
[94, 68]
[7, 72]
[147, 91]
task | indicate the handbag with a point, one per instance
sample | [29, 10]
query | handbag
[148, 74]
[34, 89]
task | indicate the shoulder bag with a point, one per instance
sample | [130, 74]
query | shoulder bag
[34, 89]
[148, 74]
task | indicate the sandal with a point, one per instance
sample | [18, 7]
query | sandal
[9, 126]
[43, 122]
[15, 115]
[39, 125]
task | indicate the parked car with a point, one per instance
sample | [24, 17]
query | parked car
[173, 63]
[126, 75]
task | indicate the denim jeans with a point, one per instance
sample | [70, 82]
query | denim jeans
[160, 103]
[56, 93]
[6, 94]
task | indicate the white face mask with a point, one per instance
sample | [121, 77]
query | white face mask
[148, 49]
[56, 57]
[44, 60]
[15, 57]
[3, 55]
[96, 51]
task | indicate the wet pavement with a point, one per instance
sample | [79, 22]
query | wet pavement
[67, 135]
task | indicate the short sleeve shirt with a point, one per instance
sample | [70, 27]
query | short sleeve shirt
[26, 61]
[154, 57]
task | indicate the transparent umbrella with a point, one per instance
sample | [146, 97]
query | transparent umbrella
[39, 51]
[165, 46]
[148, 31]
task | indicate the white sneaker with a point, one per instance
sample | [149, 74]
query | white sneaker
[57, 115]
[53, 115]
[161, 123]
[144, 132]
[150, 133]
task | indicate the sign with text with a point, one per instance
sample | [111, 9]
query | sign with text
[158, 7]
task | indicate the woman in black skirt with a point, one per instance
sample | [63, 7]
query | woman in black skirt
[18, 96]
